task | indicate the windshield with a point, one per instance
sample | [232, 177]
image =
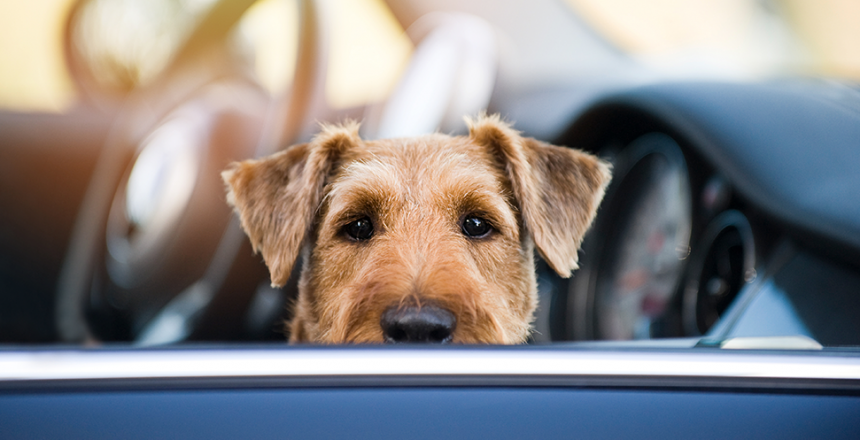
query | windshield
[735, 39]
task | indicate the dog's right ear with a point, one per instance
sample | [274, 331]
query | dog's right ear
[558, 189]
[277, 197]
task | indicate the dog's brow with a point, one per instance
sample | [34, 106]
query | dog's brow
[490, 205]
[472, 190]
[363, 188]
[369, 174]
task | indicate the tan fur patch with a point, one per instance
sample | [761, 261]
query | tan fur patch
[417, 192]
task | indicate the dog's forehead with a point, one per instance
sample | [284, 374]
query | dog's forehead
[416, 153]
[431, 170]
[427, 160]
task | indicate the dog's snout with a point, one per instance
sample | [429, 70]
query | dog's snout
[427, 324]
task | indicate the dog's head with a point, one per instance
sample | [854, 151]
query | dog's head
[426, 239]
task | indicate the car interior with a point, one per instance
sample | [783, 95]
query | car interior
[731, 212]
[718, 289]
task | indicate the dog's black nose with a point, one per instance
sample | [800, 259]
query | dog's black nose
[428, 324]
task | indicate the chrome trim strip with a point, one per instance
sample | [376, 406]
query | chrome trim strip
[83, 364]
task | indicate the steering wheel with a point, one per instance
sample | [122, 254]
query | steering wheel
[155, 250]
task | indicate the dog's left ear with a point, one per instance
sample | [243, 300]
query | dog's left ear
[558, 188]
[277, 197]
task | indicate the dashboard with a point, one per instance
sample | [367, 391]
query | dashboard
[723, 218]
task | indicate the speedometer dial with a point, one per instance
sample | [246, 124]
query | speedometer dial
[636, 257]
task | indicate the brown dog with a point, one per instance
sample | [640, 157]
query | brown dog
[427, 239]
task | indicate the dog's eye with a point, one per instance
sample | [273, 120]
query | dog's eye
[361, 229]
[476, 227]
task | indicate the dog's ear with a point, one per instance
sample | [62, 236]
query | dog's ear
[277, 197]
[558, 188]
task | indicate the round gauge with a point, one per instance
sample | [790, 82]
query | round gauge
[723, 264]
[635, 258]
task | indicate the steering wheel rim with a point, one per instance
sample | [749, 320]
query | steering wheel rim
[140, 116]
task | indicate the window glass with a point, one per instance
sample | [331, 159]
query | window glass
[268, 35]
[367, 54]
[33, 76]
[127, 43]
[736, 38]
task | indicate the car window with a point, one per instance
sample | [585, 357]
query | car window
[127, 44]
[681, 249]
[735, 39]
[369, 50]
[34, 76]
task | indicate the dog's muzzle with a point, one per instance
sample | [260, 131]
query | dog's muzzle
[413, 324]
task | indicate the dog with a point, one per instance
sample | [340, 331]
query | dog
[425, 239]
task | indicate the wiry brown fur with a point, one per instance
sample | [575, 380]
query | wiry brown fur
[417, 191]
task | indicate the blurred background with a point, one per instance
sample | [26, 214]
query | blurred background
[127, 42]
[116, 117]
